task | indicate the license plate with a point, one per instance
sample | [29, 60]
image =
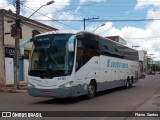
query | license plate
[46, 92]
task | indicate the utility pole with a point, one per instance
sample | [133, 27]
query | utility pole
[84, 20]
[17, 36]
[17, 50]
[84, 23]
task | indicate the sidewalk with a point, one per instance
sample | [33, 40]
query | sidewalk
[151, 105]
[22, 88]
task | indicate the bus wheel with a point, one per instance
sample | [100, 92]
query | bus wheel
[91, 90]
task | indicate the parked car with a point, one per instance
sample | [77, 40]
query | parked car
[153, 73]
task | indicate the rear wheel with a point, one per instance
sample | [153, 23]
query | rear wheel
[91, 90]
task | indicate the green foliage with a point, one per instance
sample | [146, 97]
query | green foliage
[156, 68]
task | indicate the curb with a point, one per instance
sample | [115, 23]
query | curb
[9, 90]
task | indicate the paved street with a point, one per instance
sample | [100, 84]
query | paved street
[112, 100]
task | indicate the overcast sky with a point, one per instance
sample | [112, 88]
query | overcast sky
[145, 34]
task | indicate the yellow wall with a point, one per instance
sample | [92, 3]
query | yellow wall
[9, 41]
[26, 32]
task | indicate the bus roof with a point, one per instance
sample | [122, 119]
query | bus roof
[59, 32]
[80, 32]
[87, 32]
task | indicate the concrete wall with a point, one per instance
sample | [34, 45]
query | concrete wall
[141, 55]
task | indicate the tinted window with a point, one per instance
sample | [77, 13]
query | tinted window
[87, 48]
[50, 56]
[113, 49]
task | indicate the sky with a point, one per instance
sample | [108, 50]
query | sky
[126, 18]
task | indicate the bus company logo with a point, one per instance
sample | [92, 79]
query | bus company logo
[116, 64]
[6, 114]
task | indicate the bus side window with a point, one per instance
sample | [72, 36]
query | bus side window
[79, 58]
[88, 48]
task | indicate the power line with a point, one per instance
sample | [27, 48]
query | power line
[84, 20]
[50, 17]
[129, 20]
[76, 8]
[154, 38]
[79, 6]
[71, 8]
[120, 20]
[97, 0]
[5, 5]
[116, 20]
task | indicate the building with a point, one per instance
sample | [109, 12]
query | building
[143, 61]
[7, 44]
[118, 39]
[157, 63]
[153, 66]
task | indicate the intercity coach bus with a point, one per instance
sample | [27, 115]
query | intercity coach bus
[70, 64]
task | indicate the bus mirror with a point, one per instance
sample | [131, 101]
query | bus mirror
[32, 40]
[71, 43]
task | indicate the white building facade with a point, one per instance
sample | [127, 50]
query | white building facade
[7, 45]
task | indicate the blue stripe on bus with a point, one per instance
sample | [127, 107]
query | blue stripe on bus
[71, 39]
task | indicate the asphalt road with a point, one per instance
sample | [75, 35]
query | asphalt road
[112, 100]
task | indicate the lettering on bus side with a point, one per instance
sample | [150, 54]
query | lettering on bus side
[116, 64]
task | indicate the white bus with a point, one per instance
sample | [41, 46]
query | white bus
[71, 64]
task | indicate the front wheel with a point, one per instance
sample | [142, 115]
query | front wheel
[91, 90]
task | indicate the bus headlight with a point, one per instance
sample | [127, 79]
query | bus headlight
[67, 85]
[31, 85]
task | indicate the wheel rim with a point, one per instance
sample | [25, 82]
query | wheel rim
[91, 90]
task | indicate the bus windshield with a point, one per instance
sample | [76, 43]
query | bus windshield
[50, 56]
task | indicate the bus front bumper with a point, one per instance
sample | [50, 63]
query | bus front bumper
[58, 92]
[54, 93]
